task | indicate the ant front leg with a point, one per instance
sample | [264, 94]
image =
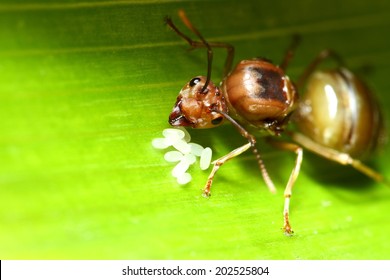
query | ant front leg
[219, 162]
[251, 144]
[291, 181]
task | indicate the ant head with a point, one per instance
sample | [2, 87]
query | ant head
[197, 105]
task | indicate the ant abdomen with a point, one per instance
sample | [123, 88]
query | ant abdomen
[337, 110]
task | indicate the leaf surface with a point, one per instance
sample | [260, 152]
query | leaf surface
[86, 86]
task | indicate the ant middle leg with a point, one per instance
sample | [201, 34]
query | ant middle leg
[296, 39]
[291, 181]
[322, 56]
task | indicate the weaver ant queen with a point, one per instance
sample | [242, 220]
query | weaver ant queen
[337, 117]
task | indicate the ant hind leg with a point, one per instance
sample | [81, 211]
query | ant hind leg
[339, 157]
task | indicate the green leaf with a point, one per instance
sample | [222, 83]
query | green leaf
[86, 86]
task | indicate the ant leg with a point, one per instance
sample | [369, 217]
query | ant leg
[219, 162]
[252, 141]
[293, 176]
[325, 54]
[290, 52]
[203, 44]
[342, 158]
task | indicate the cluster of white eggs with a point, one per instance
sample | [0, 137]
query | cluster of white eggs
[185, 154]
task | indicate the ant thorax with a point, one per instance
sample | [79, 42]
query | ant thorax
[258, 93]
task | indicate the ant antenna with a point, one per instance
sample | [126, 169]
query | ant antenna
[205, 44]
[191, 27]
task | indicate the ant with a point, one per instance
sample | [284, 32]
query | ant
[338, 118]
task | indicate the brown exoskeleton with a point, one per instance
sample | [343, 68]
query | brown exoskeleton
[337, 117]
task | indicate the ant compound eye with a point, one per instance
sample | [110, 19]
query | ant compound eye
[194, 81]
[216, 121]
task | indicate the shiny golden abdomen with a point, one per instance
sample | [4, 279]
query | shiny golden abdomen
[338, 111]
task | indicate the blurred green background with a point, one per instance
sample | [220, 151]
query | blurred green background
[86, 85]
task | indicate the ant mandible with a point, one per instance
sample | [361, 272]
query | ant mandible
[338, 118]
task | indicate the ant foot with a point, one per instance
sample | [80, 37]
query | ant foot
[287, 230]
